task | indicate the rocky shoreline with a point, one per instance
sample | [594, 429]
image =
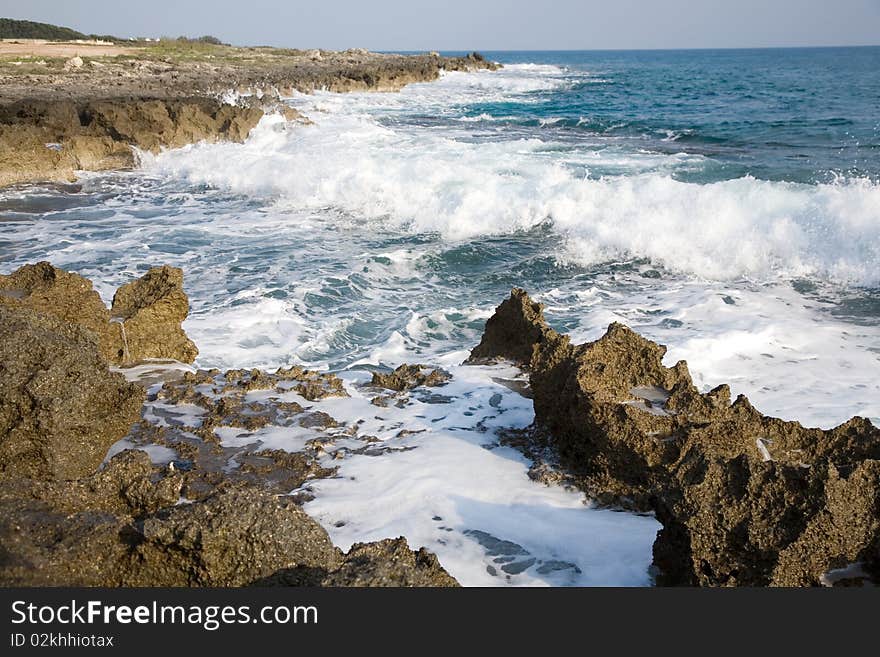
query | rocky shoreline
[89, 114]
[188, 497]
[744, 499]
[71, 516]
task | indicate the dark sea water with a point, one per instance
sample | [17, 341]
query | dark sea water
[725, 203]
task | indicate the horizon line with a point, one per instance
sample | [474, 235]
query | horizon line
[442, 50]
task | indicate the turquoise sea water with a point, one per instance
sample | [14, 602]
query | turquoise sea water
[801, 115]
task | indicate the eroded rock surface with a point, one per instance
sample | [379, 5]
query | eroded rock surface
[151, 311]
[60, 406]
[52, 139]
[389, 563]
[407, 377]
[744, 499]
[144, 322]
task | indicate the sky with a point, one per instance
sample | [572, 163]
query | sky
[474, 24]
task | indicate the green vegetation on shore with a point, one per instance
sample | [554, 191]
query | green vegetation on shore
[15, 29]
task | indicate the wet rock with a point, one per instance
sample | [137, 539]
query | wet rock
[389, 563]
[151, 310]
[407, 377]
[60, 406]
[744, 499]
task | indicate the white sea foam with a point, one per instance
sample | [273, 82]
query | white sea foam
[450, 487]
[428, 182]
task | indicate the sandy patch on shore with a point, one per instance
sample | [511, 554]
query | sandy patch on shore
[40, 48]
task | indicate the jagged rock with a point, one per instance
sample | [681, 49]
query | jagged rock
[63, 294]
[744, 499]
[145, 321]
[153, 124]
[513, 332]
[125, 526]
[98, 135]
[150, 311]
[78, 533]
[389, 563]
[60, 406]
[407, 377]
[129, 484]
[43, 547]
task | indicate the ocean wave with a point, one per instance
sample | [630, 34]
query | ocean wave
[423, 182]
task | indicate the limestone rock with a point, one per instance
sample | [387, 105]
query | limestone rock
[513, 332]
[744, 499]
[407, 377]
[151, 310]
[231, 539]
[59, 293]
[144, 322]
[389, 563]
[60, 406]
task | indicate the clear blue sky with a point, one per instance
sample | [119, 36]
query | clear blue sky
[475, 24]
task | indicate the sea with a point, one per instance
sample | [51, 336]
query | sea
[725, 203]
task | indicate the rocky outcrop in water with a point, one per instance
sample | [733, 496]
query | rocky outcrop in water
[744, 499]
[150, 311]
[60, 406]
[144, 322]
[406, 377]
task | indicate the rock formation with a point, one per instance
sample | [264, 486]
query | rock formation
[407, 377]
[125, 526]
[52, 139]
[389, 563]
[144, 322]
[67, 521]
[60, 407]
[150, 311]
[744, 499]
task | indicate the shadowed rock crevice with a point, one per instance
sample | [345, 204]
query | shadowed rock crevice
[744, 499]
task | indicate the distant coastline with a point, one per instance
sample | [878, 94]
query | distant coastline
[74, 105]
